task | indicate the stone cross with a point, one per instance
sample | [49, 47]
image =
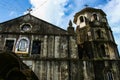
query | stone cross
[86, 5]
[29, 10]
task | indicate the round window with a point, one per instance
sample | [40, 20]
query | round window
[26, 27]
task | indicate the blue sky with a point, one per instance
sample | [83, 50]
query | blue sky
[59, 12]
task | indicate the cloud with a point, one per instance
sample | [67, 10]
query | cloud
[12, 13]
[49, 10]
[112, 11]
[116, 29]
[59, 12]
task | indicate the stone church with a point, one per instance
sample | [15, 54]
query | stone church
[86, 52]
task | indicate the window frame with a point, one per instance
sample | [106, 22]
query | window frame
[38, 45]
[9, 39]
[26, 50]
[93, 17]
[22, 45]
[24, 25]
[81, 18]
[109, 75]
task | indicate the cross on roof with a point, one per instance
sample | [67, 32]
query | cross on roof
[29, 10]
[86, 5]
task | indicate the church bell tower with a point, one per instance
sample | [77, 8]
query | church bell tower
[94, 35]
[96, 45]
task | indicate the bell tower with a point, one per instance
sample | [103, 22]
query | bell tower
[94, 35]
[96, 45]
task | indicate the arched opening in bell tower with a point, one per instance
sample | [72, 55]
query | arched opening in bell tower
[95, 17]
[103, 52]
[81, 19]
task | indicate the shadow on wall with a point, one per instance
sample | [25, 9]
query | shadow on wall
[12, 68]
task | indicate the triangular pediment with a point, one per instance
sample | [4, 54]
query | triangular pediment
[38, 26]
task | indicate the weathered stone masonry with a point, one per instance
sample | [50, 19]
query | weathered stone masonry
[87, 53]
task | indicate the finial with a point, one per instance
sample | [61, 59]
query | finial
[29, 10]
[86, 5]
[70, 23]
[70, 28]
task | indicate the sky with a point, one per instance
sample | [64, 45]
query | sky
[59, 12]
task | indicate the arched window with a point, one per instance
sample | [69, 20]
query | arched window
[109, 75]
[99, 34]
[22, 45]
[103, 52]
[95, 16]
[81, 19]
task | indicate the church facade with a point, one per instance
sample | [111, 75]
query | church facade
[87, 53]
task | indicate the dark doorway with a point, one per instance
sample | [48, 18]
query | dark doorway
[9, 44]
[36, 47]
[109, 75]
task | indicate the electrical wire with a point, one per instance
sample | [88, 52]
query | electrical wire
[41, 5]
[18, 7]
[4, 5]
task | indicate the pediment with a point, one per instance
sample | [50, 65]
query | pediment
[37, 26]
